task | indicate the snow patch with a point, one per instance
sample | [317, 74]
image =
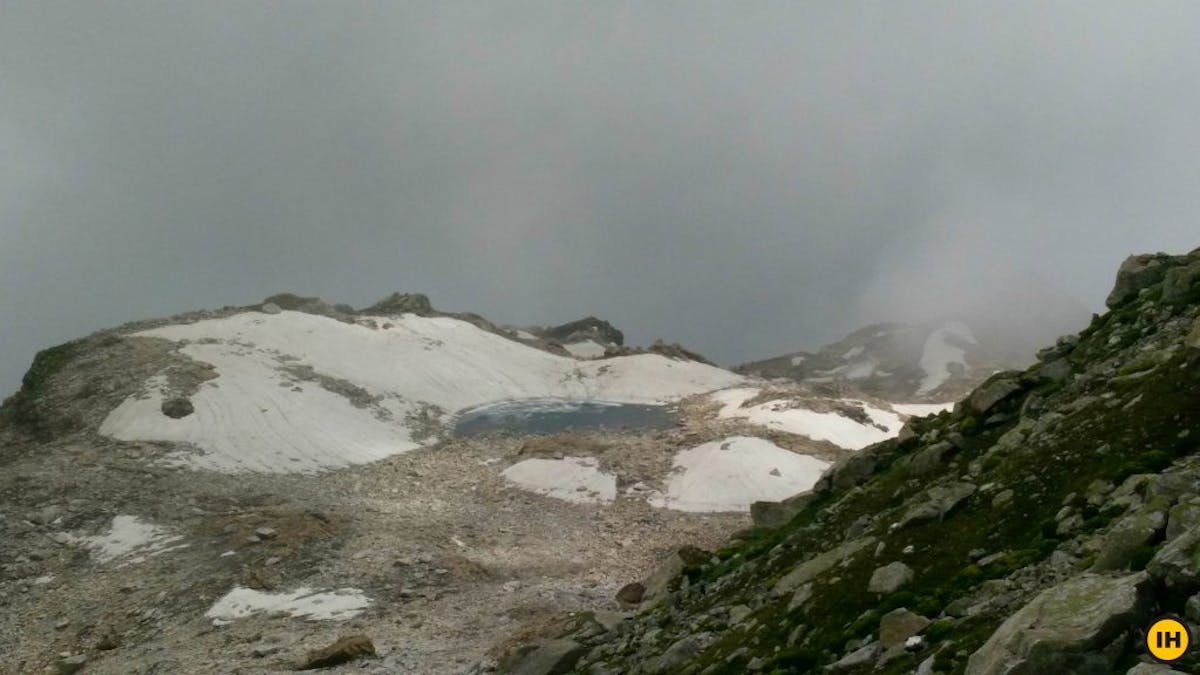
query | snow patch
[130, 540]
[858, 371]
[306, 603]
[797, 360]
[588, 349]
[821, 426]
[921, 409]
[939, 354]
[731, 474]
[572, 479]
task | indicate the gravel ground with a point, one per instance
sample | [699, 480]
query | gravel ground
[457, 563]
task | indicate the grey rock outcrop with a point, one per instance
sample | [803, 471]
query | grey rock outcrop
[990, 393]
[1177, 563]
[1179, 282]
[1066, 628]
[1193, 338]
[1136, 273]
[1130, 535]
[859, 657]
[545, 657]
[937, 503]
[819, 564]
[890, 578]
[899, 625]
[680, 651]
[663, 579]
[778, 514]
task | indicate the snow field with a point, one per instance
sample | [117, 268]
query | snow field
[252, 419]
[820, 426]
[731, 474]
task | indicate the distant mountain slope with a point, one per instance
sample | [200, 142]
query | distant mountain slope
[932, 361]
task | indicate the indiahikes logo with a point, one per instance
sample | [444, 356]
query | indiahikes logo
[1168, 639]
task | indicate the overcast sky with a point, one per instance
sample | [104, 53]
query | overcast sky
[747, 178]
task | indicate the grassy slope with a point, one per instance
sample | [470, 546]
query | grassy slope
[1096, 442]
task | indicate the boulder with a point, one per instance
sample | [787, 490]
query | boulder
[663, 580]
[849, 471]
[70, 664]
[1173, 486]
[346, 649]
[177, 408]
[990, 393]
[778, 514]
[631, 594]
[1191, 608]
[1179, 282]
[818, 565]
[859, 657]
[1177, 563]
[1128, 537]
[1182, 518]
[1136, 273]
[937, 503]
[898, 625]
[270, 308]
[1193, 338]
[544, 657]
[890, 578]
[928, 459]
[680, 651]
[800, 597]
[1053, 371]
[1065, 628]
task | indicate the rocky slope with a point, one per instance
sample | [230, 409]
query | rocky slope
[1038, 527]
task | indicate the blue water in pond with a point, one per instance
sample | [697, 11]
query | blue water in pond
[552, 416]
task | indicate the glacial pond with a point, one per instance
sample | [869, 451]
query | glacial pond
[548, 416]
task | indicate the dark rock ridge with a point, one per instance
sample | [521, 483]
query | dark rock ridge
[1036, 528]
[587, 328]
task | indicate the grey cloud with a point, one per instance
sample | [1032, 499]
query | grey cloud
[745, 179]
